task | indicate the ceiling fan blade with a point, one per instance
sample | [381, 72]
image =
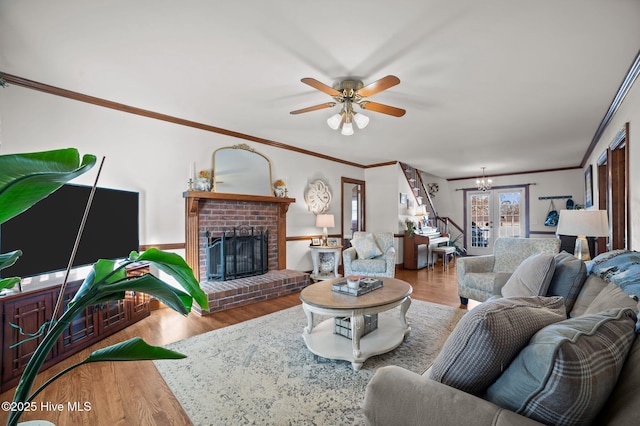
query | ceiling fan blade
[385, 109]
[320, 86]
[378, 86]
[314, 108]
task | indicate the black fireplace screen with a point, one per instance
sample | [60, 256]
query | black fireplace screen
[241, 252]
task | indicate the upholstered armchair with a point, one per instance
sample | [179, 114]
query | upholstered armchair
[370, 255]
[480, 277]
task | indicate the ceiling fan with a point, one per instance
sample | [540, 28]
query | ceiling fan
[349, 92]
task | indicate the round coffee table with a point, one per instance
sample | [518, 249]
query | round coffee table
[391, 332]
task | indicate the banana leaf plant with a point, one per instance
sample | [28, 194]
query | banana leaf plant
[26, 179]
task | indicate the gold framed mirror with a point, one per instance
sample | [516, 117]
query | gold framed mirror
[352, 207]
[240, 169]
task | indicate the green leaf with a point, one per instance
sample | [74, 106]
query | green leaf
[86, 287]
[107, 297]
[109, 270]
[176, 267]
[9, 282]
[8, 259]
[102, 273]
[26, 179]
[153, 286]
[134, 349]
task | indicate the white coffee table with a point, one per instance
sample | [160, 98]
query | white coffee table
[391, 332]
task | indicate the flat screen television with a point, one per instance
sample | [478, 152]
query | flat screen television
[47, 231]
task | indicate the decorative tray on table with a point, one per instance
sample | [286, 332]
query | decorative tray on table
[366, 285]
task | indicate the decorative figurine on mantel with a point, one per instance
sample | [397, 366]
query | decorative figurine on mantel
[203, 181]
[280, 188]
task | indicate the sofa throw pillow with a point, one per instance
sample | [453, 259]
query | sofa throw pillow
[611, 297]
[592, 286]
[565, 374]
[622, 406]
[488, 337]
[366, 246]
[567, 278]
[531, 277]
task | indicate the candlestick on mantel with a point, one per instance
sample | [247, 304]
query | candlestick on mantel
[191, 175]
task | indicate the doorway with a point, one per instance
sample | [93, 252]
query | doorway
[500, 212]
[613, 193]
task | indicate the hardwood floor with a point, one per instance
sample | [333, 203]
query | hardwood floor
[129, 393]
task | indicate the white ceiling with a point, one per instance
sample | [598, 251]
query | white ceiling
[512, 85]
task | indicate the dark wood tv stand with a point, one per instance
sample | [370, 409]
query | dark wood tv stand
[29, 310]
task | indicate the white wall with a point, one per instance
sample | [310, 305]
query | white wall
[565, 182]
[153, 157]
[442, 199]
[382, 187]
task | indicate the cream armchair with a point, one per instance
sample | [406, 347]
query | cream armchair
[371, 255]
[480, 277]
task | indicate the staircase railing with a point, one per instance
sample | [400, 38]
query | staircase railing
[442, 223]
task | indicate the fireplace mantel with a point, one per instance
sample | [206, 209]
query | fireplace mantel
[193, 203]
[193, 197]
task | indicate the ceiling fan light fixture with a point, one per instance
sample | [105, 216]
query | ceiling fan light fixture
[347, 128]
[352, 92]
[334, 121]
[361, 120]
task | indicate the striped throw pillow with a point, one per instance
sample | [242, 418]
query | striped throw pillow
[489, 336]
[566, 373]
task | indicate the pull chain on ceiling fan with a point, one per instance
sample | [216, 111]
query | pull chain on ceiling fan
[348, 93]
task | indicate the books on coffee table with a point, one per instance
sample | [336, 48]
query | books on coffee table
[366, 285]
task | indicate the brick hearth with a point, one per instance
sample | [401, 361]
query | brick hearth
[217, 212]
[243, 291]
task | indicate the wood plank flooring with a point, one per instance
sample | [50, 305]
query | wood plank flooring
[134, 393]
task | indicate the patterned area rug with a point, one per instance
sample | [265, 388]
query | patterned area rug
[260, 372]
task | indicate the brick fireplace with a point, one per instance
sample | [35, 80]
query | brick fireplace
[218, 212]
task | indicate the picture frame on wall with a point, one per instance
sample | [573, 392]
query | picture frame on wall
[588, 186]
[403, 198]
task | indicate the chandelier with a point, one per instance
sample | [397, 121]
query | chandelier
[345, 119]
[483, 184]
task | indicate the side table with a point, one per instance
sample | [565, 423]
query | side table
[325, 262]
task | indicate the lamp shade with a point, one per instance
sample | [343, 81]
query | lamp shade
[347, 129]
[361, 120]
[325, 221]
[588, 223]
[334, 121]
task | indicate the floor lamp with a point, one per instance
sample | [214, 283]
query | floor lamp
[583, 224]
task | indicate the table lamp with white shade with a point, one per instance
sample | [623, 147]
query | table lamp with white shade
[325, 221]
[582, 224]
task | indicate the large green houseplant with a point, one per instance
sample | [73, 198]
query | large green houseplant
[26, 179]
